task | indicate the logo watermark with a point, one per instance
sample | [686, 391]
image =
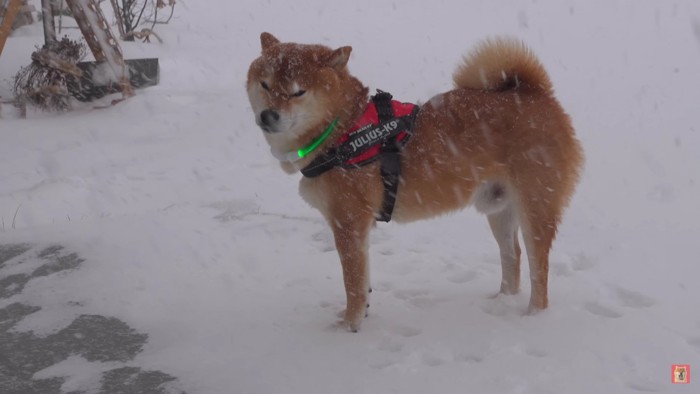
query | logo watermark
[680, 373]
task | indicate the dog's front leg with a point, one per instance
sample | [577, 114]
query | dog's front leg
[351, 234]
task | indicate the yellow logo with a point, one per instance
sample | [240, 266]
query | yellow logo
[680, 373]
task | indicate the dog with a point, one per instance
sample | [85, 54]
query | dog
[499, 141]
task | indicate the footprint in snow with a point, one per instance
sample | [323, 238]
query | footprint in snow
[645, 386]
[385, 251]
[695, 342]
[601, 310]
[632, 299]
[469, 357]
[583, 262]
[462, 277]
[407, 294]
[324, 241]
[429, 358]
[560, 269]
[537, 353]
[432, 360]
[382, 363]
[383, 286]
[408, 332]
[389, 353]
[234, 209]
[416, 297]
[301, 282]
[390, 345]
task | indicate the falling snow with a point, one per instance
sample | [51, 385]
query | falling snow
[192, 235]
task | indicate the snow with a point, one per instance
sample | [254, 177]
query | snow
[193, 235]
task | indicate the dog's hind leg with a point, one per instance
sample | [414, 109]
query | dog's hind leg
[496, 201]
[504, 225]
[539, 220]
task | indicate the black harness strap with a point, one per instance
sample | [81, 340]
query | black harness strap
[322, 163]
[387, 131]
[390, 158]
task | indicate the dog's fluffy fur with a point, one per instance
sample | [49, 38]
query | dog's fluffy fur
[500, 141]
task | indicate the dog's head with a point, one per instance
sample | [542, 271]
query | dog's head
[297, 90]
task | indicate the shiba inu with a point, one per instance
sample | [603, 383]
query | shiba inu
[499, 140]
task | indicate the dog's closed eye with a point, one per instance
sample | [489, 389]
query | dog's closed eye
[265, 85]
[298, 93]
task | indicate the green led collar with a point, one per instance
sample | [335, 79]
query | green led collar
[318, 141]
[303, 152]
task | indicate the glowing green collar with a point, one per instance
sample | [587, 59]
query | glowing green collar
[299, 154]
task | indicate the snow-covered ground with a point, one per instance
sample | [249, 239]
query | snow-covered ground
[191, 234]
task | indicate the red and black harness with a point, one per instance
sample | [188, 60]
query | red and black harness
[380, 134]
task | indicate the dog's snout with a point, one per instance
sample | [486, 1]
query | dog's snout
[268, 118]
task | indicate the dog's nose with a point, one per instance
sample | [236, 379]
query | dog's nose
[268, 118]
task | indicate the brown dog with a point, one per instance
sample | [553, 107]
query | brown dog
[500, 140]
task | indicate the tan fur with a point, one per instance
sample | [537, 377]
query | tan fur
[499, 140]
[497, 62]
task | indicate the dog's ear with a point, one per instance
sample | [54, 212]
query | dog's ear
[267, 40]
[339, 58]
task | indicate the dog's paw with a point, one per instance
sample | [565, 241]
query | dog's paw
[351, 322]
[346, 325]
[533, 310]
[341, 314]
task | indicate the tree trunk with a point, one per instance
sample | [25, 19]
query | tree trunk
[49, 25]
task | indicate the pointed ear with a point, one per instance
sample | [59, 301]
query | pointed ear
[267, 40]
[339, 58]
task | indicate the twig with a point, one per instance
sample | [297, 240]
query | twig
[14, 218]
[172, 12]
[145, 35]
[120, 19]
[135, 25]
[60, 17]
[155, 16]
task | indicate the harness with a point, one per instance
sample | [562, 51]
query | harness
[380, 134]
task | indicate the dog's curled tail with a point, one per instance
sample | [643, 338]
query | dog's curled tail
[502, 64]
